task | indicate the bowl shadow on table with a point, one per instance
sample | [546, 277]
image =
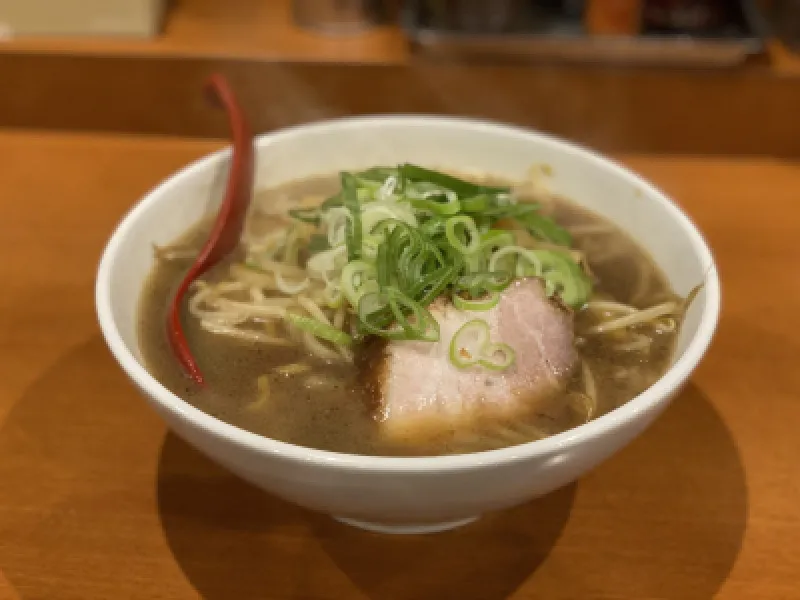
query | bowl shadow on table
[270, 545]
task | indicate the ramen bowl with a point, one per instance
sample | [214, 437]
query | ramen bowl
[419, 494]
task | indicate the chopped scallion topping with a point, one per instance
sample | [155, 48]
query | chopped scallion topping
[400, 237]
[319, 329]
[471, 346]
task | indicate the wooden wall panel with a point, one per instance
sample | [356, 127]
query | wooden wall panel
[752, 111]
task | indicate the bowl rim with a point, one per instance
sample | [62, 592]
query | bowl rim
[667, 385]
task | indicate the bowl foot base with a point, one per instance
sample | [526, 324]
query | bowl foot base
[407, 528]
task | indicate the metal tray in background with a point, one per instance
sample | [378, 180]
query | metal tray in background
[560, 37]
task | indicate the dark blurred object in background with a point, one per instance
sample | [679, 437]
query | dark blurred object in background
[493, 16]
[715, 18]
[784, 19]
[476, 15]
[339, 16]
[686, 16]
[703, 33]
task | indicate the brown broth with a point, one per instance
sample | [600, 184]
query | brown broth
[339, 417]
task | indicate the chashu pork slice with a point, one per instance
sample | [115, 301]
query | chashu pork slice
[420, 392]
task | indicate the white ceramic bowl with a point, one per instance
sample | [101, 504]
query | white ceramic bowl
[412, 494]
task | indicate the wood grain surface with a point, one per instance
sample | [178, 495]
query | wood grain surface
[617, 110]
[99, 501]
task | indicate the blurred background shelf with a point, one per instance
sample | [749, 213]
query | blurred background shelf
[243, 29]
[264, 30]
[287, 75]
[652, 33]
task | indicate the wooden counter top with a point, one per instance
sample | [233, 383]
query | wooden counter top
[98, 501]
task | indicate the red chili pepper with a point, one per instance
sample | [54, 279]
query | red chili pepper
[227, 229]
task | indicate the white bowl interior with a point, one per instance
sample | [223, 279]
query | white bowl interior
[457, 144]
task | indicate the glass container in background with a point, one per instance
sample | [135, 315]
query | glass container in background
[339, 16]
[613, 17]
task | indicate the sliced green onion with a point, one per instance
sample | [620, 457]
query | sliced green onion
[508, 210]
[366, 187]
[429, 330]
[369, 246]
[385, 227]
[306, 215]
[529, 265]
[470, 345]
[497, 357]
[365, 194]
[545, 228]
[494, 239]
[527, 214]
[422, 327]
[332, 202]
[473, 238]
[399, 237]
[564, 277]
[408, 254]
[358, 278]
[497, 281]
[317, 243]
[483, 222]
[351, 202]
[375, 318]
[479, 283]
[319, 329]
[438, 282]
[437, 200]
[464, 189]
[466, 346]
[475, 263]
[396, 324]
[379, 174]
[475, 204]
[532, 268]
[483, 303]
[383, 265]
[432, 226]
